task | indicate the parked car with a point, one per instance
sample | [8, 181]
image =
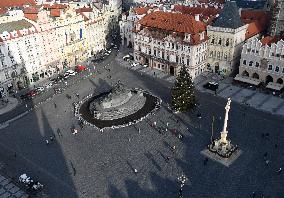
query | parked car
[134, 64]
[211, 85]
[32, 93]
[145, 65]
[40, 89]
[48, 85]
[70, 72]
[80, 68]
[128, 57]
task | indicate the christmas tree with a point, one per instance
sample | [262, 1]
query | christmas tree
[183, 92]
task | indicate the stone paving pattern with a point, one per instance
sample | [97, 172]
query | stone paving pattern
[9, 190]
[96, 164]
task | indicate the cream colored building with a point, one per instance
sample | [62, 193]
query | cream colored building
[262, 62]
[165, 41]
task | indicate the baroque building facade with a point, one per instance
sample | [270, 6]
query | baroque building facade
[37, 42]
[165, 41]
[262, 61]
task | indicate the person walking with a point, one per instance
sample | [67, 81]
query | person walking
[173, 148]
[52, 137]
[279, 170]
[168, 159]
[47, 142]
[135, 171]
[59, 133]
[55, 106]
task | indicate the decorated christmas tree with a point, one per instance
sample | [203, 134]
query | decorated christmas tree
[183, 92]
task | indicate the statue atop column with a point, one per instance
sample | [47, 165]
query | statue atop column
[223, 146]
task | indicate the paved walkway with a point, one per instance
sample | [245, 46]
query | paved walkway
[9, 190]
[253, 98]
[12, 103]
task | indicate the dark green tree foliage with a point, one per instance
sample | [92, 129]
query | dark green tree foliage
[183, 92]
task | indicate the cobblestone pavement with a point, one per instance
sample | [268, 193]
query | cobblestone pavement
[96, 164]
[8, 188]
[253, 98]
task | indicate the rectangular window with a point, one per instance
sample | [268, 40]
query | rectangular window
[277, 69]
[187, 61]
[269, 67]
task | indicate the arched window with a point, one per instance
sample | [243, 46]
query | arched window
[220, 41]
[250, 63]
[244, 62]
[227, 42]
[212, 40]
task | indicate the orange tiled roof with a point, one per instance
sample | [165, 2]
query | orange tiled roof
[174, 22]
[3, 10]
[84, 9]
[31, 10]
[54, 6]
[32, 17]
[55, 12]
[16, 3]
[254, 28]
[263, 17]
[270, 39]
[141, 10]
[202, 11]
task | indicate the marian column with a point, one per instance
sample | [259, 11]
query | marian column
[224, 133]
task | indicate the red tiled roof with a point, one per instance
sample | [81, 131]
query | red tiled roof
[202, 11]
[55, 12]
[84, 9]
[32, 17]
[31, 10]
[141, 10]
[212, 1]
[16, 3]
[3, 10]
[174, 22]
[249, 16]
[270, 39]
[254, 28]
[54, 6]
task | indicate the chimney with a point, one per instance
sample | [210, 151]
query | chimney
[196, 17]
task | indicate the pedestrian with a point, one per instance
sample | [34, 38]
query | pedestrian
[52, 137]
[135, 171]
[139, 130]
[177, 120]
[154, 73]
[75, 131]
[173, 148]
[167, 124]
[55, 106]
[167, 159]
[26, 105]
[267, 162]
[78, 96]
[253, 194]
[59, 133]
[155, 123]
[128, 139]
[279, 170]
[47, 142]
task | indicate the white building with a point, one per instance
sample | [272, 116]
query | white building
[41, 41]
[228, 33]
[127, 24]
[262, 62]
[166, 40]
